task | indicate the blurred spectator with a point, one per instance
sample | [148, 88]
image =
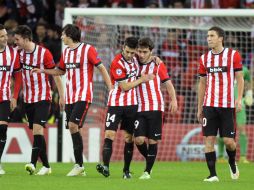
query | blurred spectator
[54, 41]
[10, 26]
[173, 51]
[59, 14]
[49, 11]
[152, 4]
[29, 12]
[178, 4]
[122, 3]
[85, 4]
[40, 35]
[3, 12]
[229, 4]
[249, 4]
[104, 3]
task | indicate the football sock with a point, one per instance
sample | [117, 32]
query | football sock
[3, 137]
[151, 156]
[37, 146]
[143, 149]
[231, 159]
[128, 152]
[77, 148]
[107, 151]
[210, 160]
[243, 141]
[43, 153]
[220, 147]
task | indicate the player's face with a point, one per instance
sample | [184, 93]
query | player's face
[213, 39]
[19, 41]
[65, 39]
[128, 53]
[3, 38]
[144, 55]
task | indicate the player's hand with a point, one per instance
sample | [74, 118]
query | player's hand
[238, 105]
[61, 103]
[147, 77]
[36, 70]
[13, 104]
[200, 116]
[173, 106]
[156, 59]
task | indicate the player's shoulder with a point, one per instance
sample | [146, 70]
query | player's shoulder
[117, 59]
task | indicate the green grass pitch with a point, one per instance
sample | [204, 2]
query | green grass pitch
[165, 176]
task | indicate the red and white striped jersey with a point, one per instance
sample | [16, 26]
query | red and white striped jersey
[79, 65]
[36, 87]
[149, 94]
[122, 70]
[219, 70]
[9, 63]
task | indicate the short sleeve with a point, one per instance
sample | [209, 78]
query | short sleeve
[117, 72]
[163, 73]
[237, 61]
[201, 68]
[48, 60]
[93, 56]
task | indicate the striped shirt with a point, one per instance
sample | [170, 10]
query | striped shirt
[122, 70]
[79, 65]
[36, 87]
[219, 70]
[149, 93]
[9, 63]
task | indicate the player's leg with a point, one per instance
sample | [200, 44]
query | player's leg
[154, 119]
[4, 118]
[221, 149]
[37, 116]
[241, 120]
[113, 118]
[76, 114]
[140, 133]
[128, 153]
[210, 127]
[228, 131]
[128, 127]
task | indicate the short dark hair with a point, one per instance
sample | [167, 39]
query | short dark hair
[218, 30]
[146, 43]
[2, 27]
[131, 42]
[73, 32]
[24, 31]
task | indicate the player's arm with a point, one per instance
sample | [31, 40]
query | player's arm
[248, 98]
[240, 86]
[201, 88]
[59, 86]
[105, 76]
[17, 86]
[17, 75]
[55, 72]
[125, 86]
[201, 95]
[172, 94]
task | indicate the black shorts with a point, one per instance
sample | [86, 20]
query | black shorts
[76, 113]
[124, 114]
[149, 124]
[5, 111]
[37, 113]
[222, 119]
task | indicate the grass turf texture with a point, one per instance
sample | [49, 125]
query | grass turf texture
[166, 175]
